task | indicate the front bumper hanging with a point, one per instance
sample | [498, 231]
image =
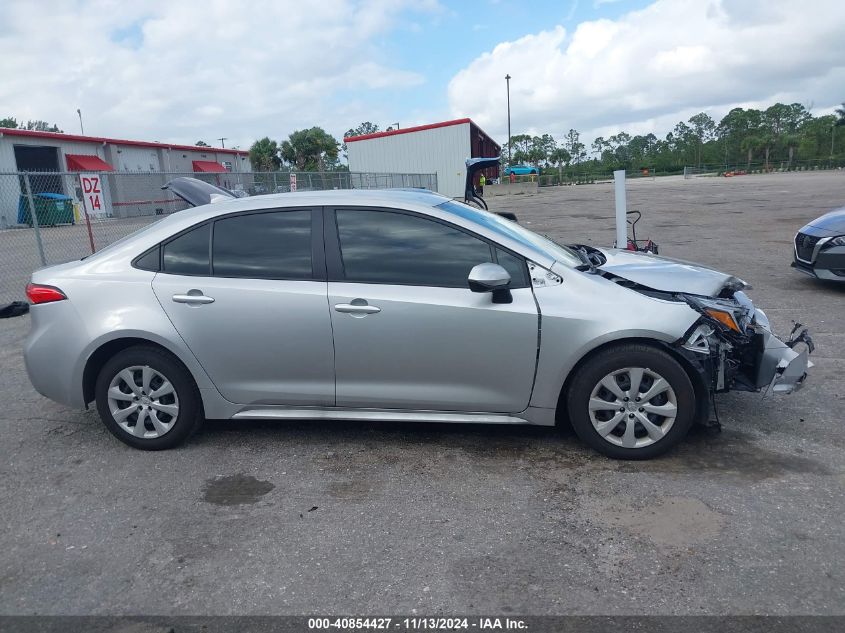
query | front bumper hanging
[787, 362]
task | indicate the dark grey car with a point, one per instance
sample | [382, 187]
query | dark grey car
[819, 248]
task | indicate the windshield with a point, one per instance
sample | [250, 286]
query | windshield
[502, 226]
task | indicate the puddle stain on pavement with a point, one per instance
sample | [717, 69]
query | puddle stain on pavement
[235, 490]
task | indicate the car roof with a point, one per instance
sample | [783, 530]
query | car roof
[420, 200]
[333, 196]
[353, 197]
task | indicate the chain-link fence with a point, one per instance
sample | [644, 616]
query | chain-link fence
[44, 218]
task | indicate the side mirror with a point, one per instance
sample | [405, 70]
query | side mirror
[493, 278]
[488, 277]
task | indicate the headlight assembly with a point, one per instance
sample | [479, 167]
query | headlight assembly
[724, 317]
[727, 313]
[837, 241]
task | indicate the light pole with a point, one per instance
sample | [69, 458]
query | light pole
[221, 139]
[82, 129]
[508, 82]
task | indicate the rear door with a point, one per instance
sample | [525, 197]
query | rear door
[247, 293]
[408, 332]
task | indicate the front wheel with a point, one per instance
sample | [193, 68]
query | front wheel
[148, 399]
[631, 401]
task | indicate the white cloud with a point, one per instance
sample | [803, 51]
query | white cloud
[650, 68]
[183, 71]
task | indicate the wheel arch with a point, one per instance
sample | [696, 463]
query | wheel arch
[696, 376]
[108, 348]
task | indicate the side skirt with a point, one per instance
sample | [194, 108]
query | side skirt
[391, 415]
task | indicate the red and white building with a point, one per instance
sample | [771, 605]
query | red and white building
[32, 151]
[26, 150]
[437, 148]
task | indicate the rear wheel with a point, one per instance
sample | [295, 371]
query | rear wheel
[631, 402]
[148, 399]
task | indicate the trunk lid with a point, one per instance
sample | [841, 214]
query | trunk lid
[197, 192]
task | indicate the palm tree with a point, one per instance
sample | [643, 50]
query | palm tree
[749, 144]
[559, 156]
[841, 113]
[791, 141]
[264, 155]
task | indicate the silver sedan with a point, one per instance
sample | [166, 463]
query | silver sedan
[393, 305]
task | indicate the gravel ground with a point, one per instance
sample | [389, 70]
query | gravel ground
[318, 517]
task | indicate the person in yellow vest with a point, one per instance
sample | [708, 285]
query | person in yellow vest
[481, 182]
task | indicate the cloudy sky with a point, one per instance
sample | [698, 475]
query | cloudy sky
[182, 71]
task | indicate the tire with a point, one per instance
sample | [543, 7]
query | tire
[643, 428]
[169, 406]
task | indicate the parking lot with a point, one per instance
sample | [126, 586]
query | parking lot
[319, 517]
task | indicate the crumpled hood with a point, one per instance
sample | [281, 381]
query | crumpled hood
[663, 273]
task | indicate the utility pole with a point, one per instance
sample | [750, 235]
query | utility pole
[508, 81]
[82, 129]
[221, 139]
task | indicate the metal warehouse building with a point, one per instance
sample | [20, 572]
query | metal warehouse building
[31, 151]
[24, 150]
[439, 148]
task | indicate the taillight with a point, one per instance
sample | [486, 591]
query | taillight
[37, 293]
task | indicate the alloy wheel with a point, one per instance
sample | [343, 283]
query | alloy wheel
[633, 407]
[143, 402]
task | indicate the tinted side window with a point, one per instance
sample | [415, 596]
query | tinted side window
[515, 267]
[274, 245]
[149, 260]
[188, 253]
[395, 248]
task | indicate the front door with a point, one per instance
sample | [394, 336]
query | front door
[408, 332]
[245, 293]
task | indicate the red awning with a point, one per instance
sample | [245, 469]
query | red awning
[208, 167]
[83, 162]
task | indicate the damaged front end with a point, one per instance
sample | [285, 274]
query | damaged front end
[736, 346]
[731, 345]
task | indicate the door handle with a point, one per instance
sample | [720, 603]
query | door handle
[193, 297]
[349, 308]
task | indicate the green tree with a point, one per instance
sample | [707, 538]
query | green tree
[264, 155]
[42, 126]
[840, 112]
[202, 144]
[618, 154]
[791, 140]
[9, 122]
[703, 131]
[519, 147]
[310, 150]
[560, 157]
[364, 128]
[818, 136]
[750, 144]
[599, 145]
[572, 143]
